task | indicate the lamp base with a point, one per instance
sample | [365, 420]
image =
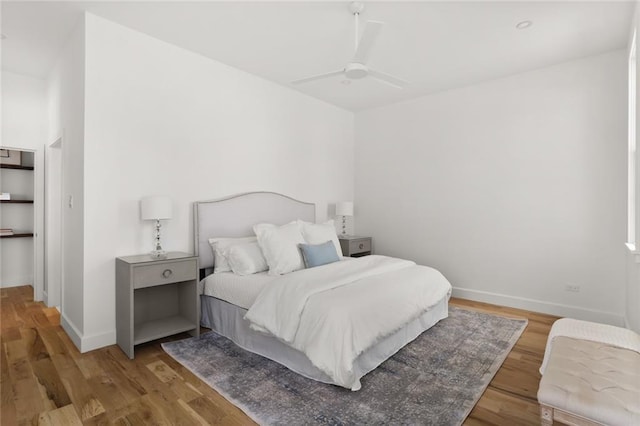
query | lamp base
[158, 254]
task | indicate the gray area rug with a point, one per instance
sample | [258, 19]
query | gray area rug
[434, 380]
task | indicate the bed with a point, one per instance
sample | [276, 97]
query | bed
[231, 304]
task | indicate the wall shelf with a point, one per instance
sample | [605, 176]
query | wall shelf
[15, 167]
[19, 215]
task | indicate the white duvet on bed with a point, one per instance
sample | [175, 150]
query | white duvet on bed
[334, 312]
[239, 290]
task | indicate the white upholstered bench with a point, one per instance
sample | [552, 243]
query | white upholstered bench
[590, 375]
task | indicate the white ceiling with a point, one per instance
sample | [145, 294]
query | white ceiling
[434, 45]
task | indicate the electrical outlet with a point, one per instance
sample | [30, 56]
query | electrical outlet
[573, 288]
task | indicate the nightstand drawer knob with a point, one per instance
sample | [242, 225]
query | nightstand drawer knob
[167, 273]
[361, 246]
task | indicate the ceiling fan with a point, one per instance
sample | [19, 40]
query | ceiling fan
[357, 68]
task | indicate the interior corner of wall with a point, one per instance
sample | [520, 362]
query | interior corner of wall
[86, 343]
[72, 331]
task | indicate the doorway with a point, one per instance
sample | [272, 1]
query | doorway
[18, 219]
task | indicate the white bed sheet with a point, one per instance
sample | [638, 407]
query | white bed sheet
[238, 290]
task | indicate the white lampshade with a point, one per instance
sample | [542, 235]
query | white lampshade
[152, 208]
[344, 208]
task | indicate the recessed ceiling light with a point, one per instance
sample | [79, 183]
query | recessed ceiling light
[346, 82]
[524, 24]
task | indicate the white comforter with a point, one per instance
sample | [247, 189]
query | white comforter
[334, 312]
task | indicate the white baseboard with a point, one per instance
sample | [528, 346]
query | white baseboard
[98, 341]
[87, 343]
[71, 330]
[17, 281]
[540, 306]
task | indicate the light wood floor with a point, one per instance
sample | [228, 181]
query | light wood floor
[45, 380]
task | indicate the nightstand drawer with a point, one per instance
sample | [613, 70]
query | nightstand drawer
[359, 246]
[166, 273]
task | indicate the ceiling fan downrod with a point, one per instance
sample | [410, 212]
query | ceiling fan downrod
[356, 8]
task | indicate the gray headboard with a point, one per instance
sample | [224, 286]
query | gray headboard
[235, 216]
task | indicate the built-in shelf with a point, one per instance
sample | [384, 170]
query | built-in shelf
[21, 235]
[15, 167]
[16, 201]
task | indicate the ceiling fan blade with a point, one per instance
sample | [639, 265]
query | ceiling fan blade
[390, 80]
[317, 77]
[371, 32]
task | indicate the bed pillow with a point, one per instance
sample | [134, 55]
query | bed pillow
[318, 233]
[246, 259]
[219, 246]
[279, 245]
[318, 254]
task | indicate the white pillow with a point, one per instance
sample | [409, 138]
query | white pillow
[219, 246]
[318, 233]
[246, 259]
[279, 246]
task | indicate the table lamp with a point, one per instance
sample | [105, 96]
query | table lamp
[156, 208]
[344, 209]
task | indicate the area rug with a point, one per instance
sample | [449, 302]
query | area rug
[434, 380]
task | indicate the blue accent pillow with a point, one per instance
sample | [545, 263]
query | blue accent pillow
[318, 254]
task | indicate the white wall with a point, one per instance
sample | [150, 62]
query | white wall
[24, 128]
[632, 306]
[66, 119]
[513, 188]
[163, 120]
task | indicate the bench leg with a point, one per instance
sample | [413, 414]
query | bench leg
[546, 415]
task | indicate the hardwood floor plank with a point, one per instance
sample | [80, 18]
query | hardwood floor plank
[18, 361]
[167, 375]
[10, 334]
[127, 386]
[207, 409]
[61, 416]
[46, 380]
[109, 393]
[89, 365]
[7, 404]
[28, 399]
[192, 413]
[505, 409]
[44, 370]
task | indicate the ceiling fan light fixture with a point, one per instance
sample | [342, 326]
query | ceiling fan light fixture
[524, 25]
[356, 71]
[356, 7]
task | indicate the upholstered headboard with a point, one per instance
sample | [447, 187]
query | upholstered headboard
[235, 216]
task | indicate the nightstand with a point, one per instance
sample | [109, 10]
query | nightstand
[353, 246]
[156, 298]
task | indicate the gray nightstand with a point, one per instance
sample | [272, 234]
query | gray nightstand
[355, 246]
[156, 298]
